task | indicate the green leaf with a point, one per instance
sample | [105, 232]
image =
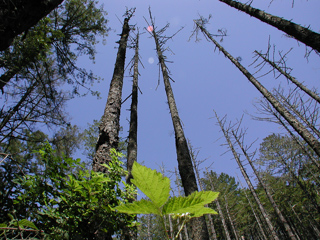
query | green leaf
[3, 225]
[26, 223]
[139, 207]
[190, 204]
[151, 183]
[202, 211]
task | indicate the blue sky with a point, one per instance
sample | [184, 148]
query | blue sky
[204, 78]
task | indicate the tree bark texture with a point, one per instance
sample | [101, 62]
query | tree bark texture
[302, 34]
[273, 203]
[109, 128]
[17, 16]
[199, 227]
[132, 141]
[248, 181]
[295, 124]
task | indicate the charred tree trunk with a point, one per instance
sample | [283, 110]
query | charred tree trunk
[246, 177]
[273, 203]
[17, 16]
[199, 227]
[297, 126]
[132, 148]
[109, 128]
[302, 34]
[132, 140]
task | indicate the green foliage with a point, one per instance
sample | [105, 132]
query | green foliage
[157, 188]
[66, 203]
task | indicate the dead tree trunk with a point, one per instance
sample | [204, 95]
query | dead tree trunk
[196, 168]
[302, 34]
[179, 194]
[273, 203]
[132, 140]
[230, 219]
[271, 111]
[199, 227]
[254, 213]
[223, 221]
[297, 126]
[132, 148]
[246, 177]
[311, 93]
[109, 128]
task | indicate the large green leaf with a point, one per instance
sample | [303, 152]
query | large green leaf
[190, 204]
[151, 183]
[140, 207]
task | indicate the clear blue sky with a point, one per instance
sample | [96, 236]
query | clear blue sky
[204, 78]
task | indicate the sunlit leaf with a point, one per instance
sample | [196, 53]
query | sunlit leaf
[139, 207]
[190, 204]
[152, 183]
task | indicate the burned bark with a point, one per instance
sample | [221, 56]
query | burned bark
[109, 128]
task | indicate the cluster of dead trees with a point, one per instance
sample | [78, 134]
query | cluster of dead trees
[296, 111]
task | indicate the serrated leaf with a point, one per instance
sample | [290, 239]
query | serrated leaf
[139, 207]
[190, 204]
[202, 211]
[26, 223]
[152, 183]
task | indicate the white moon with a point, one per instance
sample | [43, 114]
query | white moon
[151, 60]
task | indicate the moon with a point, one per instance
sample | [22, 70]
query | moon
[151, 60]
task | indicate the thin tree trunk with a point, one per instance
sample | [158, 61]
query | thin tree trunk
[109, 128]
[254, 213]
[299, 127]
[302, 146]
[17, 16]
[132, 141]
[224, 224]
[294, 109]
[199, 227]
[273, 203]
[302, 34]
[311, 93]
[179, 194]
[131, 233]
[195, 165]
[246, 177]
[230, 219]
